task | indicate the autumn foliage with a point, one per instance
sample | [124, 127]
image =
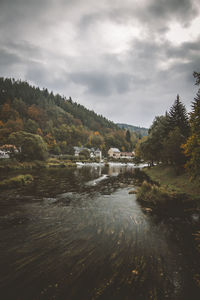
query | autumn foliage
[60, 122]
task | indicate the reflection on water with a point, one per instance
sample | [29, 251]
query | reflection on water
[65, 237]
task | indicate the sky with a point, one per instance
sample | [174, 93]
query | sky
[126, 60]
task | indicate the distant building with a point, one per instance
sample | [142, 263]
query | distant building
[4, 154]
[6, 150]
[77, 150]
[94, 153]
[114, 152]
[126, 155]
[98, 154]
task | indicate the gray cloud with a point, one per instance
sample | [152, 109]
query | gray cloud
[7, 58]
[155, 15]
[95, 83]
[182, 10]
[102, 84]
[186, 50]
[86, 49]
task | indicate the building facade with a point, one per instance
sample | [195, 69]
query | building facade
[116, 153]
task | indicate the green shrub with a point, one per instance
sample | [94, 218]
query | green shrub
[153, 194]
[17, 181]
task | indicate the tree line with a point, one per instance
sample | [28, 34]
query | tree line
[39, 122]
[174, 138]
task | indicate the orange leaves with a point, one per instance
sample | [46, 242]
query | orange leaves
[35, 113]
[50, 140]
[77, 122]
[192, 142]
[192, 151]
[14, 125]
[39, 132]
[19, 125]
[5, 108]
[7, 112]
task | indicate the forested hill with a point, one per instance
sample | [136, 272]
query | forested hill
[60, 122]
[141, 131]
[11, 89]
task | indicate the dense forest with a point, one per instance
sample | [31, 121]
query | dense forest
[37, 119]
[140, 131]
[174, 138]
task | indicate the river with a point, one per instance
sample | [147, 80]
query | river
[79, 234]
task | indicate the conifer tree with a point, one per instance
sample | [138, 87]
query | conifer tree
[128, 136]
[195, 114]
[177, 117]
[192, 146]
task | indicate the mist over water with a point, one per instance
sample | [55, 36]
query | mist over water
[79, 234]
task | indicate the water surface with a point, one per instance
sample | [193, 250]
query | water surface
[79, 234]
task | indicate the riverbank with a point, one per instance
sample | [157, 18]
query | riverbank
[13, 173]
[13, 164]
[167, 178]
[60, 162]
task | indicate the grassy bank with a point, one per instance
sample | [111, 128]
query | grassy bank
[168, 179]
[59, 163]
[169, 194]
[13, 164]
[17, 181]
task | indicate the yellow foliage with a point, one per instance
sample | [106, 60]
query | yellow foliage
[7, 112]
[16, 125]
[6, 108]
[35, 113]
[50, 140]
[39, 131]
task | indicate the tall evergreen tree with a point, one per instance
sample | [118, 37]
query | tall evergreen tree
[166, 135]
[192, 146]
[195, 114]
[128, 136]
[178, 117]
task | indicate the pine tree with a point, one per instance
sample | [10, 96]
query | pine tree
[128, 136]
[192, 146]
[195, 114]
[177, 117]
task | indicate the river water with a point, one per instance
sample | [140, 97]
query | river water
[79, 234]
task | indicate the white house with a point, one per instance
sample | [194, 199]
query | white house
[7, 150]
[126, 155]
[4, 154]
[98, 154]
[114, 152]
[93, 153]
[77, 150]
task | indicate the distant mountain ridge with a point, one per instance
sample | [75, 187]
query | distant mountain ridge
[141, 131]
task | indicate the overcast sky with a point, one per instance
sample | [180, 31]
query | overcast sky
[126, 60]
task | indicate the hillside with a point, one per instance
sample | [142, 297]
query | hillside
[61, 123]
[141, 131]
